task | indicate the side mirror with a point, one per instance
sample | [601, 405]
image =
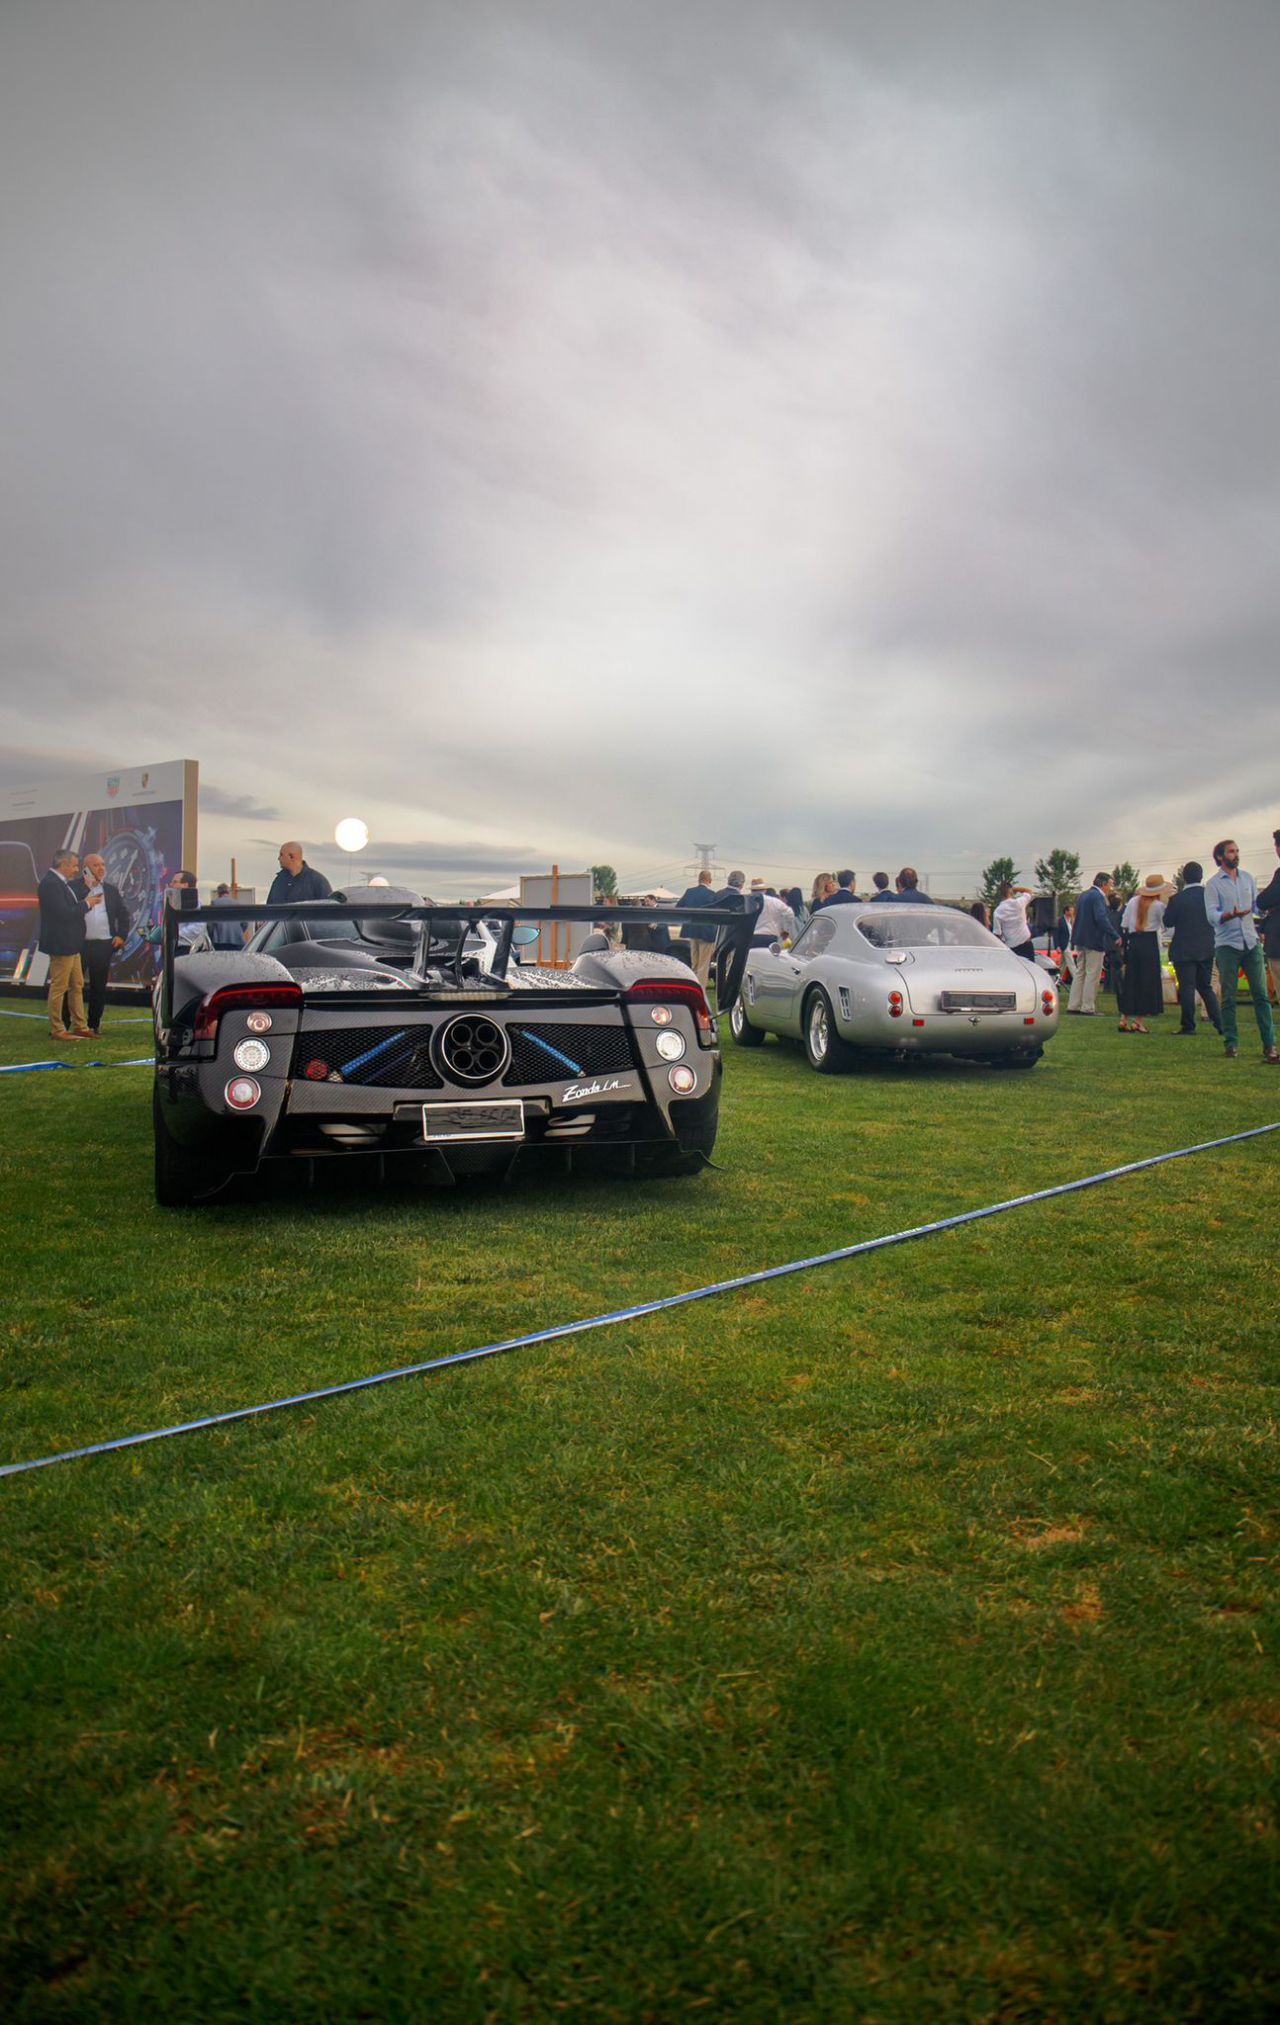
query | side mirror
[524, 933]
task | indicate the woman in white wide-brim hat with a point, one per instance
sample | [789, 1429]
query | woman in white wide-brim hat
[1142, 986]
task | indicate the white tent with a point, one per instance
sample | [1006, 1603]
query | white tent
[508, 896]
[663, 893]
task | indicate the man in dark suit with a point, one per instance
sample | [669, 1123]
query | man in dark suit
[62, 940]
[844, 895]
[1094, 935]
[106, 930]
[1269, 908]
[730, 897]
[702, 944]
[1191, 950]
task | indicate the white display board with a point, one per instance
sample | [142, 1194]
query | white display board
[558, 941]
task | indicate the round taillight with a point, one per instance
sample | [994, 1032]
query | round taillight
[682, 1080]
[1048, 1002]
[251, 1054]
[660, 1015]
[242, 1093]
[258, 1023]
[895, 1005]
[315, 1072]
[670, 1046]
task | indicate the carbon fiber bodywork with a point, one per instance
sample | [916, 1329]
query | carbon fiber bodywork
[421, 1037]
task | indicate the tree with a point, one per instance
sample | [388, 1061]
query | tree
[1125, 879]
[997, 873]
[605, 880]
[1059, 877]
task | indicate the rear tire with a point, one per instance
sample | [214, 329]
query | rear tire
[182, 1178]
[741, 1028]
[823, 1047]
[666, 1163]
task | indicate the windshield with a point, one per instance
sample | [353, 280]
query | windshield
[898, 927]
[279, 934]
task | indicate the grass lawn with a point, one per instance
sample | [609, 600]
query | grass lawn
[897, 1641]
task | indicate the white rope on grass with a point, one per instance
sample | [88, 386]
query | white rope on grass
[666, 1301]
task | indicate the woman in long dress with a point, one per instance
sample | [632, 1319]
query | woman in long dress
[1142, 986]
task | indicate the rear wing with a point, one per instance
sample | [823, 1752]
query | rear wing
[736, 928]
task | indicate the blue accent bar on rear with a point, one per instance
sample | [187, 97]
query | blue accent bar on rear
[369, 1053]
[547, 1049]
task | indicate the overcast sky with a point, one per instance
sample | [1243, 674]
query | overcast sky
[843, 433]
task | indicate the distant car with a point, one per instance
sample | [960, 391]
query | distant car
[19, 900]
[895, 978]
[389, 1027]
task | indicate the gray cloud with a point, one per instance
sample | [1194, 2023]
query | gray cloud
[216, 801]
[850, 431]
[441, 859]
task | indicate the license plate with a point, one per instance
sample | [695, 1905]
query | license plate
[978, 1001]
[503, 1120]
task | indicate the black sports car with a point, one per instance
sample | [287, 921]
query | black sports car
[385, 1026]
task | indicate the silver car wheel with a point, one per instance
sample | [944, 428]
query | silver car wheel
[741, 1028]
[819, 1029]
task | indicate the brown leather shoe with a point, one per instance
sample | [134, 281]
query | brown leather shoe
[1271, 1055]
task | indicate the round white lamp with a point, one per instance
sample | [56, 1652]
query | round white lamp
[351, 834]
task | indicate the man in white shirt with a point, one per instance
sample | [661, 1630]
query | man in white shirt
[106, 925]
[1009, 921]
[775, 922]
[1230, 901]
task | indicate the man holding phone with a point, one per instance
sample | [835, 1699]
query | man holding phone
[106, 928]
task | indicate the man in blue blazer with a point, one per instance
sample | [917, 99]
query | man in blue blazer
[1093, 935]
[1191, 950]
[702, 946]
[62, 938]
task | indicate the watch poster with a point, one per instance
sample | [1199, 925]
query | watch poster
[142, 819]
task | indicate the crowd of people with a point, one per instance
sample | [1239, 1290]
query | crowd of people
[1222, 926]
[784, 911]
[84, 924]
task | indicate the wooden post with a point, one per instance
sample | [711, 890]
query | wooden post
[555, 926]
[235, 890]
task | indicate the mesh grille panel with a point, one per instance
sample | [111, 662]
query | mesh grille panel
[549, 1050]
[379, 1057]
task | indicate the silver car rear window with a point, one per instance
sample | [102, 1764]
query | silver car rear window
[896, 927]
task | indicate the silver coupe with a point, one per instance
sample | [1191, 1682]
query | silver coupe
[895, 978]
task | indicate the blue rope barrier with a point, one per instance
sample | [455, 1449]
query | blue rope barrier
[129, 1020]
[614, 1315]
[21, 1068]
